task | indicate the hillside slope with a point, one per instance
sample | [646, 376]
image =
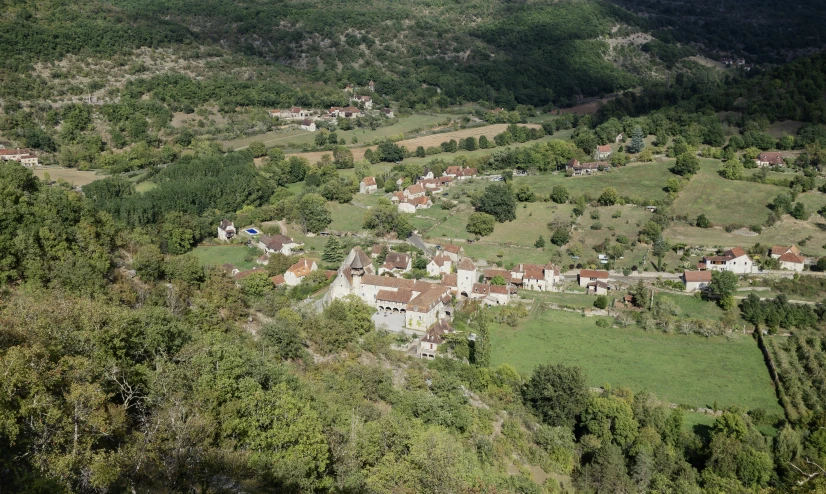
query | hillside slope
[537, 53]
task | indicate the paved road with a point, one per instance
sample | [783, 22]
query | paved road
[417, 241]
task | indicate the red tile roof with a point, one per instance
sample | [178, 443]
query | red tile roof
[426, 300]
[604, 149]
[779, 250]
[402, 296]
[437, 331]
[771, 158]
[789, 257]
[697, 276]
[369, 181]
[453, 249]
[467, 265]
[591, 273]
[450, 280]
[301, 268]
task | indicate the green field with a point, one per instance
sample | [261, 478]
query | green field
[283, 137]
[226, 254]
[725, 202]
[644, 181]
[681, 369]
[346, 217]
[145, 186]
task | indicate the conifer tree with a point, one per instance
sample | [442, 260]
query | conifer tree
[332, 251]
[636, 141]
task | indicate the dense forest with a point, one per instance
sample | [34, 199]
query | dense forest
[760, 30]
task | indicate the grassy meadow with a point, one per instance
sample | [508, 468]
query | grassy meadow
[218, 255]
[683, 369]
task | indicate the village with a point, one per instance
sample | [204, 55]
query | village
[424, 308]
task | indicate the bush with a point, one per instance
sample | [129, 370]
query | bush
[480, 224]
[596, 226]
[601, 302]
[603, 323]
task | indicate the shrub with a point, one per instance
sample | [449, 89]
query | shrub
[601, 302]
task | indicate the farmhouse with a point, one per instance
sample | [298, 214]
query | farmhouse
[371, 86]
[277, 244]
[696, 280]
[298, 112]
[769, 159]
[22, 156]
[414, 191]
[226, 230]
[454, 252]
[441, 264]
[598, 288]
[397, 263]
[588, 276]
[349, 112]
[308, 124]
[367, 101]
[414, 204]
[375, 251]
[298, 271]
[460, 172]
[574, 167]
[602, 152]
[429, 344]
[789, 257]
[368, 185]
[735, 260]
[29, 160]
[387, 112]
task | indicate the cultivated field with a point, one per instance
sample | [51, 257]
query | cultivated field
[73, 176]
[682, 369]
[300, 137]
[432, 140]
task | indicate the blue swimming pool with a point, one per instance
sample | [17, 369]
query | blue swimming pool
[252, 231]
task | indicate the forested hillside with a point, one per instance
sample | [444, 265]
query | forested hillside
[502, 52]
[761, 30]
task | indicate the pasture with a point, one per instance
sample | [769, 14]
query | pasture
[643, 180]
[240, 256]
[725, 202]
[76, 177]
[683, 369]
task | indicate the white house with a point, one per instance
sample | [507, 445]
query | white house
[441, 264]
[414, 191]
[308, 124]
[589, 276]
[413, 205]
[429, 344]
[696, 280]
[387, 112]
[454, 252]
[460, 172]
[397, 263]
[368, 185]
[777, 251]
[603, 152]
[367, 101]
[277, 244]
[29, 160]
[226, 230]
[298, 271]
[735, 260]
[769, 159]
